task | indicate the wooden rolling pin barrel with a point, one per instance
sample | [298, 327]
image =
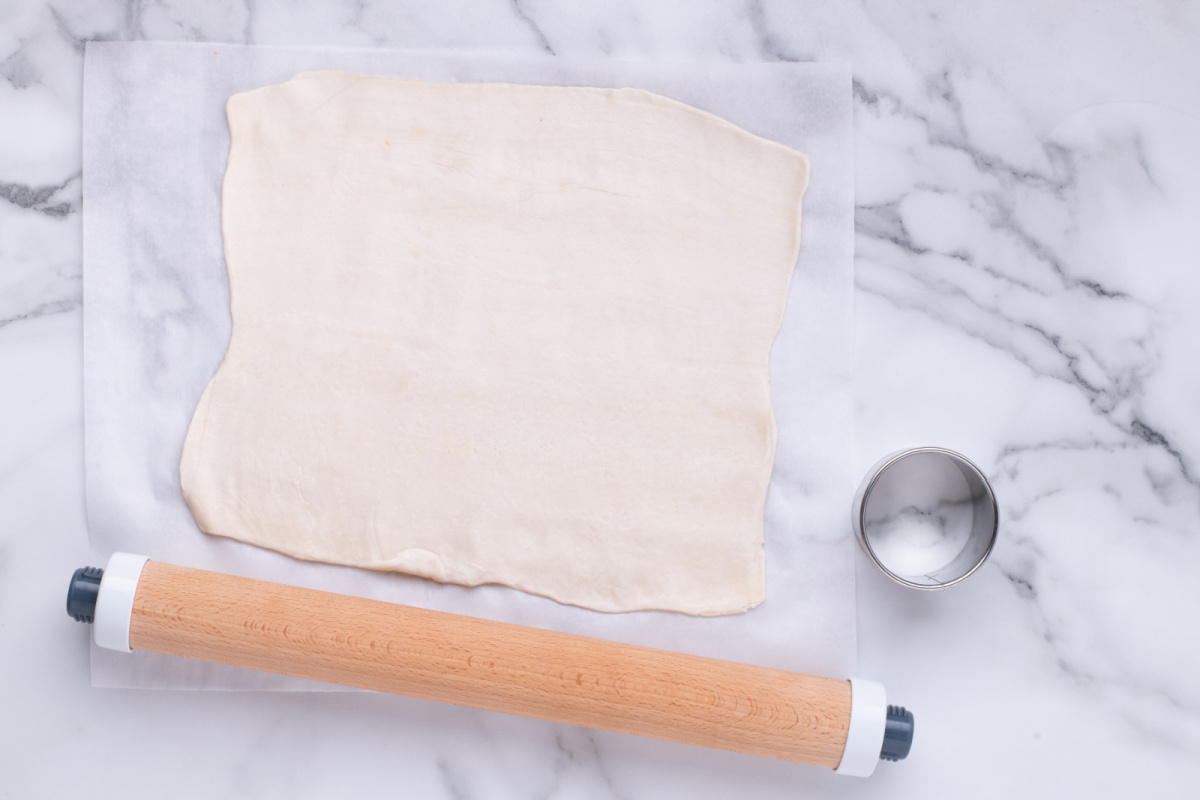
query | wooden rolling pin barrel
[137, 604]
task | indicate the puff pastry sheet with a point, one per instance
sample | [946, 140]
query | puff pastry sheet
[493, 333]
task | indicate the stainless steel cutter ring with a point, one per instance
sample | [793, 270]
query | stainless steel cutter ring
[926, 516]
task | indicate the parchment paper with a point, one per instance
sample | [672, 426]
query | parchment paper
[156, 324]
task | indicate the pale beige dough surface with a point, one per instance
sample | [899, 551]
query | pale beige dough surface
[498, 333]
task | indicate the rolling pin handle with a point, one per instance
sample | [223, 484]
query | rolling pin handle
[104, 597]
[82, 593]
[898, 736]
[878, 731]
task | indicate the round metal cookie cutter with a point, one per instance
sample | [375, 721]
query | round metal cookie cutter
[926, 516]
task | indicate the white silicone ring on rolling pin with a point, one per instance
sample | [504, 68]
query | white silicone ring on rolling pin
[114, 604]
[868, 722]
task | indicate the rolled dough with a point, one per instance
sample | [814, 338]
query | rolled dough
[489, 333]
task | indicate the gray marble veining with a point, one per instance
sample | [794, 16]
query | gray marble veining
[1027, 189]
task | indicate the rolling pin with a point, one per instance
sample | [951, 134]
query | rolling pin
[138, 604]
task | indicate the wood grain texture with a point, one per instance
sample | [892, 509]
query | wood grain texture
[490, 665]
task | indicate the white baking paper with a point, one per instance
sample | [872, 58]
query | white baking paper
[156, 324]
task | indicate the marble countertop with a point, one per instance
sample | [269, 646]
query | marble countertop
[1028, 189]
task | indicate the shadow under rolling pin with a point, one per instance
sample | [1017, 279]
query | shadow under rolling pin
[137, 604]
